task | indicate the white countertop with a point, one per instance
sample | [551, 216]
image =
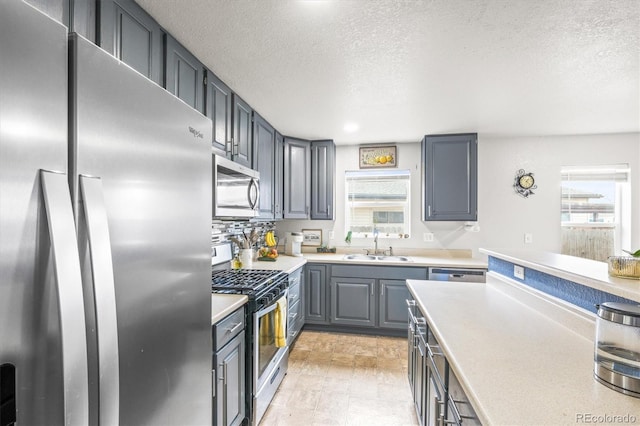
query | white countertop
[520, 358]
[582, 271]
[416, 261]
[283, 262]
[224, 304]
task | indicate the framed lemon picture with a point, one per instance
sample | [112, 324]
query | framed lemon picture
[378, 156]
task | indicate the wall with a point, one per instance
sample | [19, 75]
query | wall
[504, 216]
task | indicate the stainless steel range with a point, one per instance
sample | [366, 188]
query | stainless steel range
[266, 289]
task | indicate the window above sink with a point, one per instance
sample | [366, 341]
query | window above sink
[378, 201]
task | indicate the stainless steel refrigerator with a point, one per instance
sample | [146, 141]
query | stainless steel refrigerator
[105, 216]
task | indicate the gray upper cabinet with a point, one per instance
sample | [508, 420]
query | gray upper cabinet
[241, 149]
[184, 74]
[297, 175]
[278, 178]
[450, 177]
[264, 138]
[127, 32]
[83, 13]
[353, 301]
[219, 110]
[323, 155]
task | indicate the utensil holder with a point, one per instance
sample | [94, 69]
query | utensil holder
[246, 257]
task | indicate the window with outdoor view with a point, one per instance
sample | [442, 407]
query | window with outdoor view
[378, 201]
[596, 211]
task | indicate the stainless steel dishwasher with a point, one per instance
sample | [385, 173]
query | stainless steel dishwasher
[458, 274]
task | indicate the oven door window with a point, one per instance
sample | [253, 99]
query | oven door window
[267, 349]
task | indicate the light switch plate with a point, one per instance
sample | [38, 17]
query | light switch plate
[518, 272]
[428, 237]
[332, 234]
[528, 238]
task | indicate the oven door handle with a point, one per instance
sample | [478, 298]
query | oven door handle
[268, 309]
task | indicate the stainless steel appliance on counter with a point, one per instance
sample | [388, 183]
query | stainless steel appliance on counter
[236, 189]
[267, 359]
[105, 314]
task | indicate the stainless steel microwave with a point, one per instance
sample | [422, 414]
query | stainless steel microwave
[236, 189]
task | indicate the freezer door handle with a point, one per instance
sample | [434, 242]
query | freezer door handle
[105, 298]
[66, 270]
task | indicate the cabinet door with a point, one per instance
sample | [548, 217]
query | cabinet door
[450, 177]
[263, 161]
[184, 74]
[315, 294]
[393, 306]
[278, 177]
[218, 109]
[242, 127]
[229, 407]
[323, 155]
[353, 301]
[131, 35]
[297, 165]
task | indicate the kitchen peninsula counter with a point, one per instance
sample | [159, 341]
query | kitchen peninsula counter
[520, 357]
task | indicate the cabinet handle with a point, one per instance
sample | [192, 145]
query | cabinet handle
[233, 329]
[227, 146]
[223, 379]
[213, 382]
[381, 289]
[372, 288]
[429, 214]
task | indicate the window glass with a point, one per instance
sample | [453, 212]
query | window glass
[378, 201]
[595, 214]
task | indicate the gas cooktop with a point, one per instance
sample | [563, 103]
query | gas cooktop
[245, 281]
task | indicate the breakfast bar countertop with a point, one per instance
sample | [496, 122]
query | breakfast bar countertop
[520, 358]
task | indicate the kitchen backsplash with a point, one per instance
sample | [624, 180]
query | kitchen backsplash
[221, 230]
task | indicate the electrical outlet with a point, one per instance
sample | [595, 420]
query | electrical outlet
[428, 237]
[528, 238]
[332, 234]
[518, 272]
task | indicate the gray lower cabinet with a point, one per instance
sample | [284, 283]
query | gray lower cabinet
[229, 370]
[323, 158]
[297, 175]
[353, 301]
[359, 296]
[450, 170]
[315, 294]
[295, 302]
[392, 307]
[184, 74]
[130, 34]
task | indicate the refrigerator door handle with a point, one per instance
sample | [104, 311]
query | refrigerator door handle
[66, 270]
[105, 298]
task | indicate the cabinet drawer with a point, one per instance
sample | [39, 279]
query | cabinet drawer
[226, 329]
[295, 312]
[294, 293]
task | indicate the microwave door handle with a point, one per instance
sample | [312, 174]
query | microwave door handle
[253, 201]
[105, 298]
[68, 278]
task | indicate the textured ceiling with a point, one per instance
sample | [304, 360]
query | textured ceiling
[404, 68]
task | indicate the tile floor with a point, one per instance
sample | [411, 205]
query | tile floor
[344, 379]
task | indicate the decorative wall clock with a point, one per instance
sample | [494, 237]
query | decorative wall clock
[524, 183]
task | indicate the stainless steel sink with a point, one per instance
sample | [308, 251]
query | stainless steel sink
[377, 258]
[394, 259]
[359, 257]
